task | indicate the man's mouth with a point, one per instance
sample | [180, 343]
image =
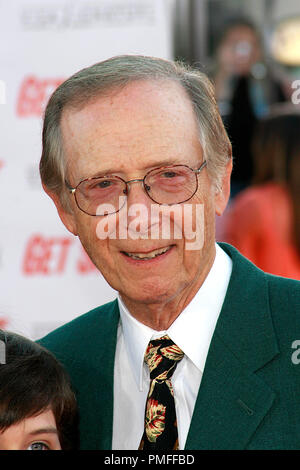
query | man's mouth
[150, 255]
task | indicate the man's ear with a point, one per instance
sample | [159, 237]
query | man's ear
[66, 217]
[223, 194]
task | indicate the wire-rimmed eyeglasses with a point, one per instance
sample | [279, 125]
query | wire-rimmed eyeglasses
[166, 185]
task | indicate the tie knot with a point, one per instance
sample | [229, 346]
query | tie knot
[162, 356]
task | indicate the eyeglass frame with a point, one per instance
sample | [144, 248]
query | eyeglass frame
[197, 172]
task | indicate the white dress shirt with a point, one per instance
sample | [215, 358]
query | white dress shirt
[192, 331]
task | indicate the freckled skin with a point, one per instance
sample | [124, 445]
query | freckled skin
[126, 134]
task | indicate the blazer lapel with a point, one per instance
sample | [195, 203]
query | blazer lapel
[232, 399]
[92, 377]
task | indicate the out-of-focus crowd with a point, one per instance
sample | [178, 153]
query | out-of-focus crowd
[263, 217]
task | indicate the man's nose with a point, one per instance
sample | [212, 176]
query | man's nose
[136, 191]
[139, 206]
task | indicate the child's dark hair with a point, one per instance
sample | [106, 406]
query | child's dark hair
[31, 381]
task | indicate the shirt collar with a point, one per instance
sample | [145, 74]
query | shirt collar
[192, 330]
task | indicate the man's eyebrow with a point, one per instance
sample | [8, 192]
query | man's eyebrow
[111, 171]
[49, 430]
[174, 161]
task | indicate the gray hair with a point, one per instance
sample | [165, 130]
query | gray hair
[115, 73]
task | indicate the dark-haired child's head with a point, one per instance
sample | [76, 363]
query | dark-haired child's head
[38, 408]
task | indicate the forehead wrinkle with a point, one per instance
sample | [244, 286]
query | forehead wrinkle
[152, 130]
[128, 102]
[138, 147]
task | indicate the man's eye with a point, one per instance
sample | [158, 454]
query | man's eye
[104, 184]
[101, 184]
[169, 174]
[38, 446]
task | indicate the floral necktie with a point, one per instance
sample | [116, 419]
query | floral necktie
[162, 357]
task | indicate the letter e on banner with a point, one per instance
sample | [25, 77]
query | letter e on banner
[46, 255]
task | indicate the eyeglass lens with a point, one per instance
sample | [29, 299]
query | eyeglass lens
[168, 185]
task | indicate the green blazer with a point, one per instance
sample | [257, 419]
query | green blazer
[249, 397]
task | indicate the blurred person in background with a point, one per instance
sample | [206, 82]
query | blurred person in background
[263, 221]
[245, 88]
[38, 410]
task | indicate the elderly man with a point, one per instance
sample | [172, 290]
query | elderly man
[197, 350]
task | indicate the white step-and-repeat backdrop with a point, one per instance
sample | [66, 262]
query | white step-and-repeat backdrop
[46, 279]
